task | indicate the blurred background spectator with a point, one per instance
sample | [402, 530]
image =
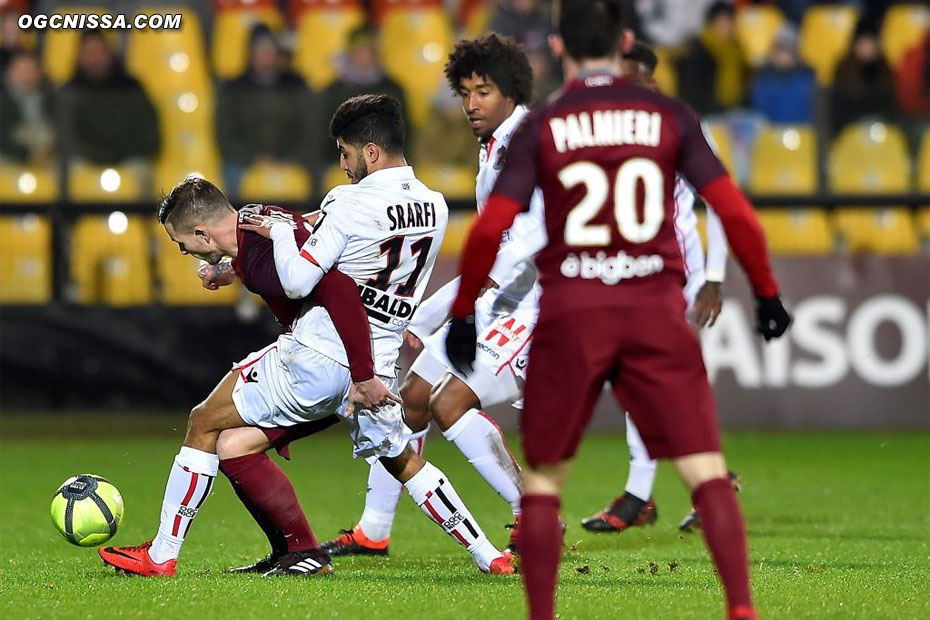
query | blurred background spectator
[864, 83]
[11, 38]
[712, 75]
[360, 71]
[265, 115]
[671, 22]
[109, 117]
[527, 21]
[26, 120]
[783, 89]
[913, 80]
[445, 139]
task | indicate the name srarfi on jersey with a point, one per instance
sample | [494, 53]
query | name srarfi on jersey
[606, 128]
[414, 214]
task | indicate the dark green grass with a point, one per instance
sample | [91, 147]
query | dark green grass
[839, 527]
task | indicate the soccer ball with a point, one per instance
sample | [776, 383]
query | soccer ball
[87, 510]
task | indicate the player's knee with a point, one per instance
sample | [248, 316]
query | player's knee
[237, 442]
[445, 409]
[202, 419]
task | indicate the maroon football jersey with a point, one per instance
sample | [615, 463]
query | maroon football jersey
[605, 153]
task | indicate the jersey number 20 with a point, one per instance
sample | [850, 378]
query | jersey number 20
[577, 229]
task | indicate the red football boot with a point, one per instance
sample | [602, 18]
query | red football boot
[504, 565]
[624, 512]
[137, 561]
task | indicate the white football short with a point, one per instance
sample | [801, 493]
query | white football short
[287, 383]
[500, 360]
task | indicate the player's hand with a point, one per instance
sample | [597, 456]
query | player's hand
[461, 342]
[412, 340]
[213, 277]
[773, 317]
[369, 394]
[255, 223]
[707, 304]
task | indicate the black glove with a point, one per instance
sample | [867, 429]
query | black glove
[773, 318]
[461, 342]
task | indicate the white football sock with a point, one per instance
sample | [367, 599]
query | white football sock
[482, 443]
[642, 468]
[433, 493]
[189, 484]
[383, 496]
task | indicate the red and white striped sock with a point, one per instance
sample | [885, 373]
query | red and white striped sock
[431, 490]
[189, 484]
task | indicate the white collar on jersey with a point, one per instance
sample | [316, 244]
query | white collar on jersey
[507, 127]
[394, 173]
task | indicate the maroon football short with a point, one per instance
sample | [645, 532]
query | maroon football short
[282, 436]
[652, 358]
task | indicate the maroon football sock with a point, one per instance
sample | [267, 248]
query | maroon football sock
[722, 526]
[268, 494]
[540, 551]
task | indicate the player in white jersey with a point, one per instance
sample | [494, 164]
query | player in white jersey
[494, 79]
[703, 294]
[384, 232]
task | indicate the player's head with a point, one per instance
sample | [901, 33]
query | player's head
[492, 75]
[192, 213]
[639, 65]
[589, 30]
[369, 133]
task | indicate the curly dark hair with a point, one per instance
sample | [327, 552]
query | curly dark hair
[500, 59]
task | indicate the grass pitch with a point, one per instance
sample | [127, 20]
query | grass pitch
[839, 527]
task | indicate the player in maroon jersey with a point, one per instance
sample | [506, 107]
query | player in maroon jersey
[605, 153]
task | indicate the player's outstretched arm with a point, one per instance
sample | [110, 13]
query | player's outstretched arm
[338, 294]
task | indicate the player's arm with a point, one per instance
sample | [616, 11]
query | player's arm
[701, 167]
[716, 263]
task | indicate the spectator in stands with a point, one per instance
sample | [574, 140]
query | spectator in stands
[864, 83]
[712, 74]
[783, 89]
[11, 38]
[360, 72]
[671, 23]
[527, 21]
[913, 80]
[26, 129]
[445, 138]
[264, 115]
[110, 119]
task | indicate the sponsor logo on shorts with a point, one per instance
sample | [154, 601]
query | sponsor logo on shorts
[489, 350]
[251, 376]
[521, 363]
[505, 332]
[611, 269]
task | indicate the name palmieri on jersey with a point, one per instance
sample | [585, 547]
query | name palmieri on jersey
[606, 128]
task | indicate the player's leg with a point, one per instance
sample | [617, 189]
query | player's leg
[371, 535]
[664, 386]
[636, 506]
[189, 484]
[432, 491]
[454, 408]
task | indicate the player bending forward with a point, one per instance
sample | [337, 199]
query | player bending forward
[493, 77]
[703, 294]
[304, 376]
[605, 153]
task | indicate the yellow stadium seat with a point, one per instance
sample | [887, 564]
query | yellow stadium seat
[454, 182]
[271, 182]
[414, 45]
[333, 176]
[881, 231]
[26, 184]
[784, 161]
[922, 182]
[169, 61]
[456, 233]
[110, 260]
[923, 223]
[231, 32]
[903, 28]
[665, 75]
[870, 158]
[797, 231]
[756, 27]
[188, 139]
[322, 34]
[25, 259]
[723, 146]
[89, 183]
[60, 46]
[179, 284]
[826, 32]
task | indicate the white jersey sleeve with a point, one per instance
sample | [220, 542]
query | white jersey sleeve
[716, 266]
[434, 311]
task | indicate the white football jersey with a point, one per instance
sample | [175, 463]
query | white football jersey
[689, 241]
[514, 270]
[385, 233]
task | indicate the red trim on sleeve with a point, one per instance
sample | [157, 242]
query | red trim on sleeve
[481, 249]
[743, 232]
[307, 255]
